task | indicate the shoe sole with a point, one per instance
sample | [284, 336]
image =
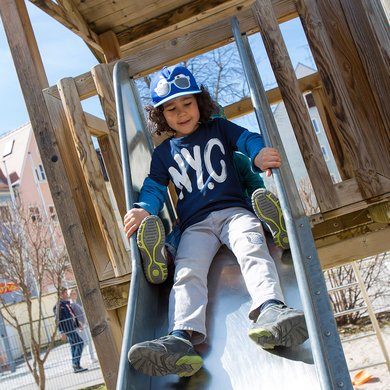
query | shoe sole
[150, 241]
[267, 208]
[157, 365]
[291, 332]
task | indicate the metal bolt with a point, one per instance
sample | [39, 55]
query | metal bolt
[318, 292]
[327, 333]
[308, 257]
[340, 384]
[301, 225]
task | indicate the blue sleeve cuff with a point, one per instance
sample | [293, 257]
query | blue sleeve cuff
[250, 144]
[152, 196]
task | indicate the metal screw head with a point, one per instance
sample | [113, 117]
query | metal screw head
[327, 333]
[318, 292]
[340, 384]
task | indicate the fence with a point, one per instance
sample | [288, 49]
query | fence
[59, 370]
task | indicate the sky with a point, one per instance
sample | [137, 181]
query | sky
[64, 54]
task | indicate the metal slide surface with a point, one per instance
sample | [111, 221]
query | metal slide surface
[231, 359]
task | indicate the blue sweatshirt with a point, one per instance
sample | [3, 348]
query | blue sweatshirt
[201, 166]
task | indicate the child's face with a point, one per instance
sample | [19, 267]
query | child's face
[182, 115]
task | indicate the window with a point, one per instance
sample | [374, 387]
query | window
[316, 127]
[40, 172]
[8, 147]
[325, 153]
[52, 213]
[35, 214]
[310, 100]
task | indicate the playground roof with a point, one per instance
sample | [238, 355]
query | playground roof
[156, 32]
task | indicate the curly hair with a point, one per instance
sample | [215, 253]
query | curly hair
[156, 120]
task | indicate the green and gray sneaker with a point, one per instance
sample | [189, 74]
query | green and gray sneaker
[151, 241]
[279, 325]
[164, 356]
[267, 208]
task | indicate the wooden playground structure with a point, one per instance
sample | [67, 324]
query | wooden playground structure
[350, 43]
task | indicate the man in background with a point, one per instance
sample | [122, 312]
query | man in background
[69, 328]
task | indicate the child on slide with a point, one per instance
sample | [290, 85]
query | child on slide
[212, 211]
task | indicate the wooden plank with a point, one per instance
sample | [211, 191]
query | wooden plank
[354, 248]
[80, 194]
[329, 123]
[96, 126]
[105, 15]
[185, 19]
[116, 296]
[93, 177]
[68, 15]
[371, 34]
[31, 76]
[244, 106]
[110, 45]
[324, 25]
[109, 144]
[295, 105]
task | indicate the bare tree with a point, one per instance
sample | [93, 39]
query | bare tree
[29, 258]
[376, 280]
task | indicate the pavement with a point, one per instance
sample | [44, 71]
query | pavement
[59, 373]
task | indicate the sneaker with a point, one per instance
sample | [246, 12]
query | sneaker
[164, 356]
[77, 369]
[279, 325]
[267, 208]
[150, 241]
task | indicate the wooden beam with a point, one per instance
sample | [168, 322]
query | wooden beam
[96, 126]
[31, 75]
[116, 296]
[182, 20]
[295, 105]
[93, 177]
[110, 45]
[76, 180]
[244, 106]
[354, 248]
[109, 144]
[67, 14]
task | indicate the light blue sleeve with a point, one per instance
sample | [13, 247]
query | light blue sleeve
[250, 144]
[152, 196]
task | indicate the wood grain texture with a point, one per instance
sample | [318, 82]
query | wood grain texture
[109, 145]
[93, 177]
[295, 105]
[31, 75]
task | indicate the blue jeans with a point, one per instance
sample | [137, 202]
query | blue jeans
[76, 347]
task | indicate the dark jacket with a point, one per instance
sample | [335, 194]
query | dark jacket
[67, 321]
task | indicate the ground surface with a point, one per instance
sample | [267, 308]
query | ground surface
[366, 351]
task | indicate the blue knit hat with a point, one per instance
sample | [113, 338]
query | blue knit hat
[170, 83]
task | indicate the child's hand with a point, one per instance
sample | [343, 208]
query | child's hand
[266, 159]
[133, 219]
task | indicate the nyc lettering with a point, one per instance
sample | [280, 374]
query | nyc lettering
[181, 179]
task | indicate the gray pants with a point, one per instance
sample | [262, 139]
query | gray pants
[241, 231]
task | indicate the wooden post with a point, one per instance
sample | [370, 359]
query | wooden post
[348, 92]
[109, 144]
[32, 79]
[295, 105]
[93, 177]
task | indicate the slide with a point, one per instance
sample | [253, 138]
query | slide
[231, 359]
